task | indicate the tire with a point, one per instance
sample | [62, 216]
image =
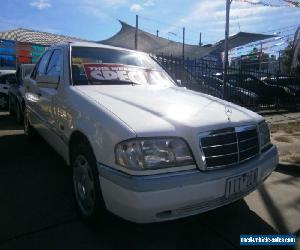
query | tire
[19, 114]
[88, 197]
[10, 107]
[3, 101]
[29, 131]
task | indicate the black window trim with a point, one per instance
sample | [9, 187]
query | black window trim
[52, 53]
[38, 63]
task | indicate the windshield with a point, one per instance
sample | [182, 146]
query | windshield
[101, 66]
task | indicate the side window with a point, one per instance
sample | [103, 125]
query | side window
[40, 68]
[43, 63]
[55, 64]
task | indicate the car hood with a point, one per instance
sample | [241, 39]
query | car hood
[161, 111]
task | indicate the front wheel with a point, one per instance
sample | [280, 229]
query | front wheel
[3, 101]
[19, 115]
[10, 106]
[29, 131]
[86, 184]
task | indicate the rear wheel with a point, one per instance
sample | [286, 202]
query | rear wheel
[86, 184]
[10, 107]
[19, 115]
[3, 101]
[29, 131]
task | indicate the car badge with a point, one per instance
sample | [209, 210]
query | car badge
[228, 112]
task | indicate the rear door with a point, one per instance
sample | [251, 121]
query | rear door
[34, 98]
[48, 92]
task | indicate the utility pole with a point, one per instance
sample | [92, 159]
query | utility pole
[157, 32]
[136, 32]
[183, 41]
[200, 43]
[225, 65]
[279, 62]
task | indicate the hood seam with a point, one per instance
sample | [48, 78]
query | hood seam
[100, 104]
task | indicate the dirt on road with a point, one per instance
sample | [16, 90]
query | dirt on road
[286, 136]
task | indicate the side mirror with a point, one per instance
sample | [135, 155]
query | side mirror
[45, 81]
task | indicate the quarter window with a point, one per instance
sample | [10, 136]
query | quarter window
[42, 65]
[55, 64]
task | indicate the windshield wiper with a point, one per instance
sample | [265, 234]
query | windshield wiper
[115, 82]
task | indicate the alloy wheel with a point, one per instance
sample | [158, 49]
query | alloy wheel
[3, 102]
[84, 185]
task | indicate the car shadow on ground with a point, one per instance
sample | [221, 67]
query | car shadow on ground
[289, 169]
[38, 211]
[7, 122]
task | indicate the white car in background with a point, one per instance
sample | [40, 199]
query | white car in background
[16, 92]
[7, 77]
[140, 146]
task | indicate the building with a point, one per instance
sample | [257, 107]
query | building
[19, 46]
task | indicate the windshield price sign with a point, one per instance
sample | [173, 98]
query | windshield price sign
[109, 72]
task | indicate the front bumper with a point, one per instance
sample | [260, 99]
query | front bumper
[155, 198]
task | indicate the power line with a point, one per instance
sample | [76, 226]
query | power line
[289, 3]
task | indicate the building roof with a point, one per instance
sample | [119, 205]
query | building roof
[36, 37]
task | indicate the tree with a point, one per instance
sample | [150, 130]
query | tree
[286, 58]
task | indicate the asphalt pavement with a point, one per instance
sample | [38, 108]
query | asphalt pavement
[37, 208]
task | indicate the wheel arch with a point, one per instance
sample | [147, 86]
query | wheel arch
[76, 137]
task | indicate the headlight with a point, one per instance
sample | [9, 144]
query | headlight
[147, 154]
[264, 134]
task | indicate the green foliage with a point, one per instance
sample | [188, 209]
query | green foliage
[286, 58]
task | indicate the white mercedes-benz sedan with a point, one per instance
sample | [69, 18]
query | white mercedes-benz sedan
[140, 146]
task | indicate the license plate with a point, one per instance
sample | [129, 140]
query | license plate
[241, 184]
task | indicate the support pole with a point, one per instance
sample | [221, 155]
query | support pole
[157, 32]
[200, 42]
[183, 41]
[279, 62]
[225, 64]
[136, 32]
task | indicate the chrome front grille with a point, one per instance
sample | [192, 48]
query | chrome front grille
[224, 147]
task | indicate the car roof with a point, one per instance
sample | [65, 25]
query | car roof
[7, 72]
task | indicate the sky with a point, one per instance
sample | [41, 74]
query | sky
[98, 19]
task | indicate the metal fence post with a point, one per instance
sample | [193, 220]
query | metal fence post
[228, 2]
